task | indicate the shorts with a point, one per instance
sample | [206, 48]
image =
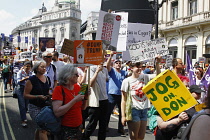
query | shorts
[139, 115]
[71, 133]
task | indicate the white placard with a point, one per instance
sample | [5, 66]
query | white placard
[108, 29]
[169, 59]
[148, 49]
[122, 38]
[25, 55]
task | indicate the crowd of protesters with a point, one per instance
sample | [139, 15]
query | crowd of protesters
[114, 85]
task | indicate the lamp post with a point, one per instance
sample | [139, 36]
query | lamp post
[18, 40]
[156, 6]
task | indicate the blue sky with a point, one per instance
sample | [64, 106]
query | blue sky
[14, 12]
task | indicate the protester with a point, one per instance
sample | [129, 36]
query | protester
[11, 74]
[5, 73]
[200, 128]
[98, 102]
[37, 91]
[132, 89]
[198, 75]
[22, 77]
[58, 64]
[116, 76]
[50, 70]
[69, 107]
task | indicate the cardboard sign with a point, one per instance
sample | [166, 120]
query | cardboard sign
[169, 95]
[88, 51]
[148, 49]
[108, 29]
[68, 47]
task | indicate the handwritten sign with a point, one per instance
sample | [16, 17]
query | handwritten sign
[108, 29]
[169, 95]
[7, 51]
[88, 51]
[25, 55]
[68, 47]
[148, 49]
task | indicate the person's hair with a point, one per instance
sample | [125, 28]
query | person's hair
[137, 64]
[201, 71]
[27, 63]
[175, 62]
[66, 72]
[45, 53]
[56, 54]
[36, 65]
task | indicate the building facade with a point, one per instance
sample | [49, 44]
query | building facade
[62, 21]
[186, 26]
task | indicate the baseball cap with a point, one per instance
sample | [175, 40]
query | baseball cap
[117, 60]
[195, 88]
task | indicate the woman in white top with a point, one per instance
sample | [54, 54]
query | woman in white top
[132, 87]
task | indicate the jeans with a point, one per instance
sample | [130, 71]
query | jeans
[113, 101]
[97, 114]
[5, 79]
[22, 103]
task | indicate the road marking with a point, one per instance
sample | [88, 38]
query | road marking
[113, 116]
[6, 116]
[1, 112]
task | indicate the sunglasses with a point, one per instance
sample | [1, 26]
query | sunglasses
[48, 56]
[76, 74]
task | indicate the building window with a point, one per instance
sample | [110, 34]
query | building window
[193, 7]
[54, 33]
[46, 32]
[62, 34]
[174, 10]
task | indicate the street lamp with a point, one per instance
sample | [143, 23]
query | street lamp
[156, 6]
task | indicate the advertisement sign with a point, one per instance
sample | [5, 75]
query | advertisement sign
[169, 95]
[68, 47]
[88, 51]
[46, 43]
[148, 49]
[108, 30]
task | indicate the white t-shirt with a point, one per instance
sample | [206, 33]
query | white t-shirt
[135, 85]
[58, 65]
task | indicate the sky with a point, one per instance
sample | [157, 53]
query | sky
[15, 12]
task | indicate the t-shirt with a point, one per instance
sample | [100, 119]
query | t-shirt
[115, 81]
[135, 85]
[73, 116]
[52, 75]
[58, 65]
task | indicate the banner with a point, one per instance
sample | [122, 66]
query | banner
[2, 36]
[26, 39]
[7, 50]
[10, 38]
[19, 38]
[148, 49]
[169, 95]
[25, 55]
[46, 43]
[206, 79]
[108, 30]
[88, 51]
[68, 47]
[33, 40]
[190, 71]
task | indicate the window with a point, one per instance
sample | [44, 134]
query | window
[62, 34]
[46, 32]
[54, 33]
[193, 7]
[174, 10]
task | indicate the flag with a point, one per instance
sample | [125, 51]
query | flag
[33, 40]
[26, 39]
[2, 36]
[18, 38]
[206, 79]
[190, 71]
[10, 38]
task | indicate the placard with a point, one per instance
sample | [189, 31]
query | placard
[46, 43]
[68, 47]
[148, 49]
[25, 55]
[88, 51]
[169, 95]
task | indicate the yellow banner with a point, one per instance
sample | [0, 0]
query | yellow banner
[169, 95]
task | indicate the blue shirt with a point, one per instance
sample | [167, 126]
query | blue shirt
[21, 75]
[115, 81]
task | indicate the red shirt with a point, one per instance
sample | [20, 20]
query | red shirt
[73, 117]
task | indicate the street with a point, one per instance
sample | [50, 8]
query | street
[12, 130]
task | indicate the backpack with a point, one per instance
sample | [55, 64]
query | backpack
[185, 129]
[47, 120]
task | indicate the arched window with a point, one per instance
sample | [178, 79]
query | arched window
[191, 47]
[46, 33]
[172, 46]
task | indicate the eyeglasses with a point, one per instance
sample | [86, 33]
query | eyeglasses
[48, 56]
[76, 74]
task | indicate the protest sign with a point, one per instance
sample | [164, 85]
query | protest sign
[137, 32]
[68, 47]
[88, 51]
[25, 55]
[108, 29]
[169, 95]
[7, 51]
[201, 59]
[46, 43]
[169, 59]
[148, 49]
[122, 37]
